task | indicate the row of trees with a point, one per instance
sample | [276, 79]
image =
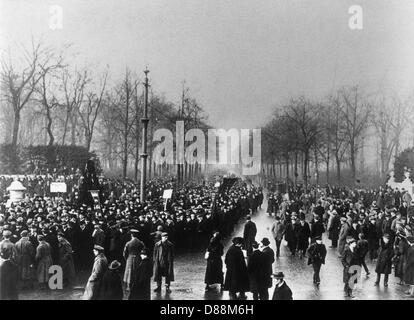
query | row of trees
[45, 100]
[333, 133]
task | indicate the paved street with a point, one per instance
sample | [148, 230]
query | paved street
[190, 268]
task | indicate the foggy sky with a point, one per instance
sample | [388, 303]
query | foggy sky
[240, 58]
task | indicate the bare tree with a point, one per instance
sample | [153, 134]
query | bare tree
[355, 114]
[20, 86]
[89, 110]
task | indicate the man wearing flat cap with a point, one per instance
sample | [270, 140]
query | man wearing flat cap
[282, 290]
[7, 245]
[132, 257]
[163, 256]
[25, 253]
[100, 265]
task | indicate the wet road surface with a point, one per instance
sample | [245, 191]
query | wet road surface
[190, 268]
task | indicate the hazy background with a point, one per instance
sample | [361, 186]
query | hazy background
[240, 57]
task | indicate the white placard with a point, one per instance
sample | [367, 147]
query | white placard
[167, 193]
[58, 187]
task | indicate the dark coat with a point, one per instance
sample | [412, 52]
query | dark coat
[268, 259]
[409, 267]
[348, 260]
[141, 285]
[249, 235]
[316, 253]
[237, 279]
[8, 280]
[282, 293]
[317, 229]
[163, 261]
[384, 262]
[304, 232]
[214, 270]
[111, 286]
[256, 270]
[334, 227]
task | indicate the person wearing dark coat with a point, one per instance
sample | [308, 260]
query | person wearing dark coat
[282, 290]
[163, 262]
[249, 235]
[409, 267]
[384, 262]
[111, 287]
[269, 258]
[362, 249]
[291, 235]
[372, 236]
[141, 286]
[316, 257]
[100, 265]
[256, 271]
[8, 277]
[214, 270]
[317, 228]
[334, 226]
[349, 259]
[237, 278]
[401, 246]
[304, 232]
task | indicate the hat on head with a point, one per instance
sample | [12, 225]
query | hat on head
[278, 275]
[114, 265]
[317, 238]
[99, 248]
[265, 241]
[24, 233]
[343, 219]
[164, 234]
[350, 239]
[144, 251]
[134, 231]
[7, 233]
[237, 240]
[255, 245]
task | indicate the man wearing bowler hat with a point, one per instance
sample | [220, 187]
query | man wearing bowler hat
[268, 259]
[111, 288]
[141, 286]
[282, 290]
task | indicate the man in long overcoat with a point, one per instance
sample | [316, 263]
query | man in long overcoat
[163, 262]
[100, 265]
[237, 278]
[43, 261]
[278, 231]
[256, 272]
[8, 276]
[249, 235]
[384, 262]
[268, 259]
[131, 255]
[316, 254]
[343, 233]
[141, 286]
[24, 258]
[66, 260]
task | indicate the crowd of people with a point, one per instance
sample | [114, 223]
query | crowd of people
[126, 244]
[119, 236]
[374, 224]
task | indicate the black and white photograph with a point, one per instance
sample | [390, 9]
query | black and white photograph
[227, 150]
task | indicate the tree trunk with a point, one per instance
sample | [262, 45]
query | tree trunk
[16, 125]
[338, 170]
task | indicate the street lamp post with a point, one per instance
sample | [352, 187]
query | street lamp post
[144, 154]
